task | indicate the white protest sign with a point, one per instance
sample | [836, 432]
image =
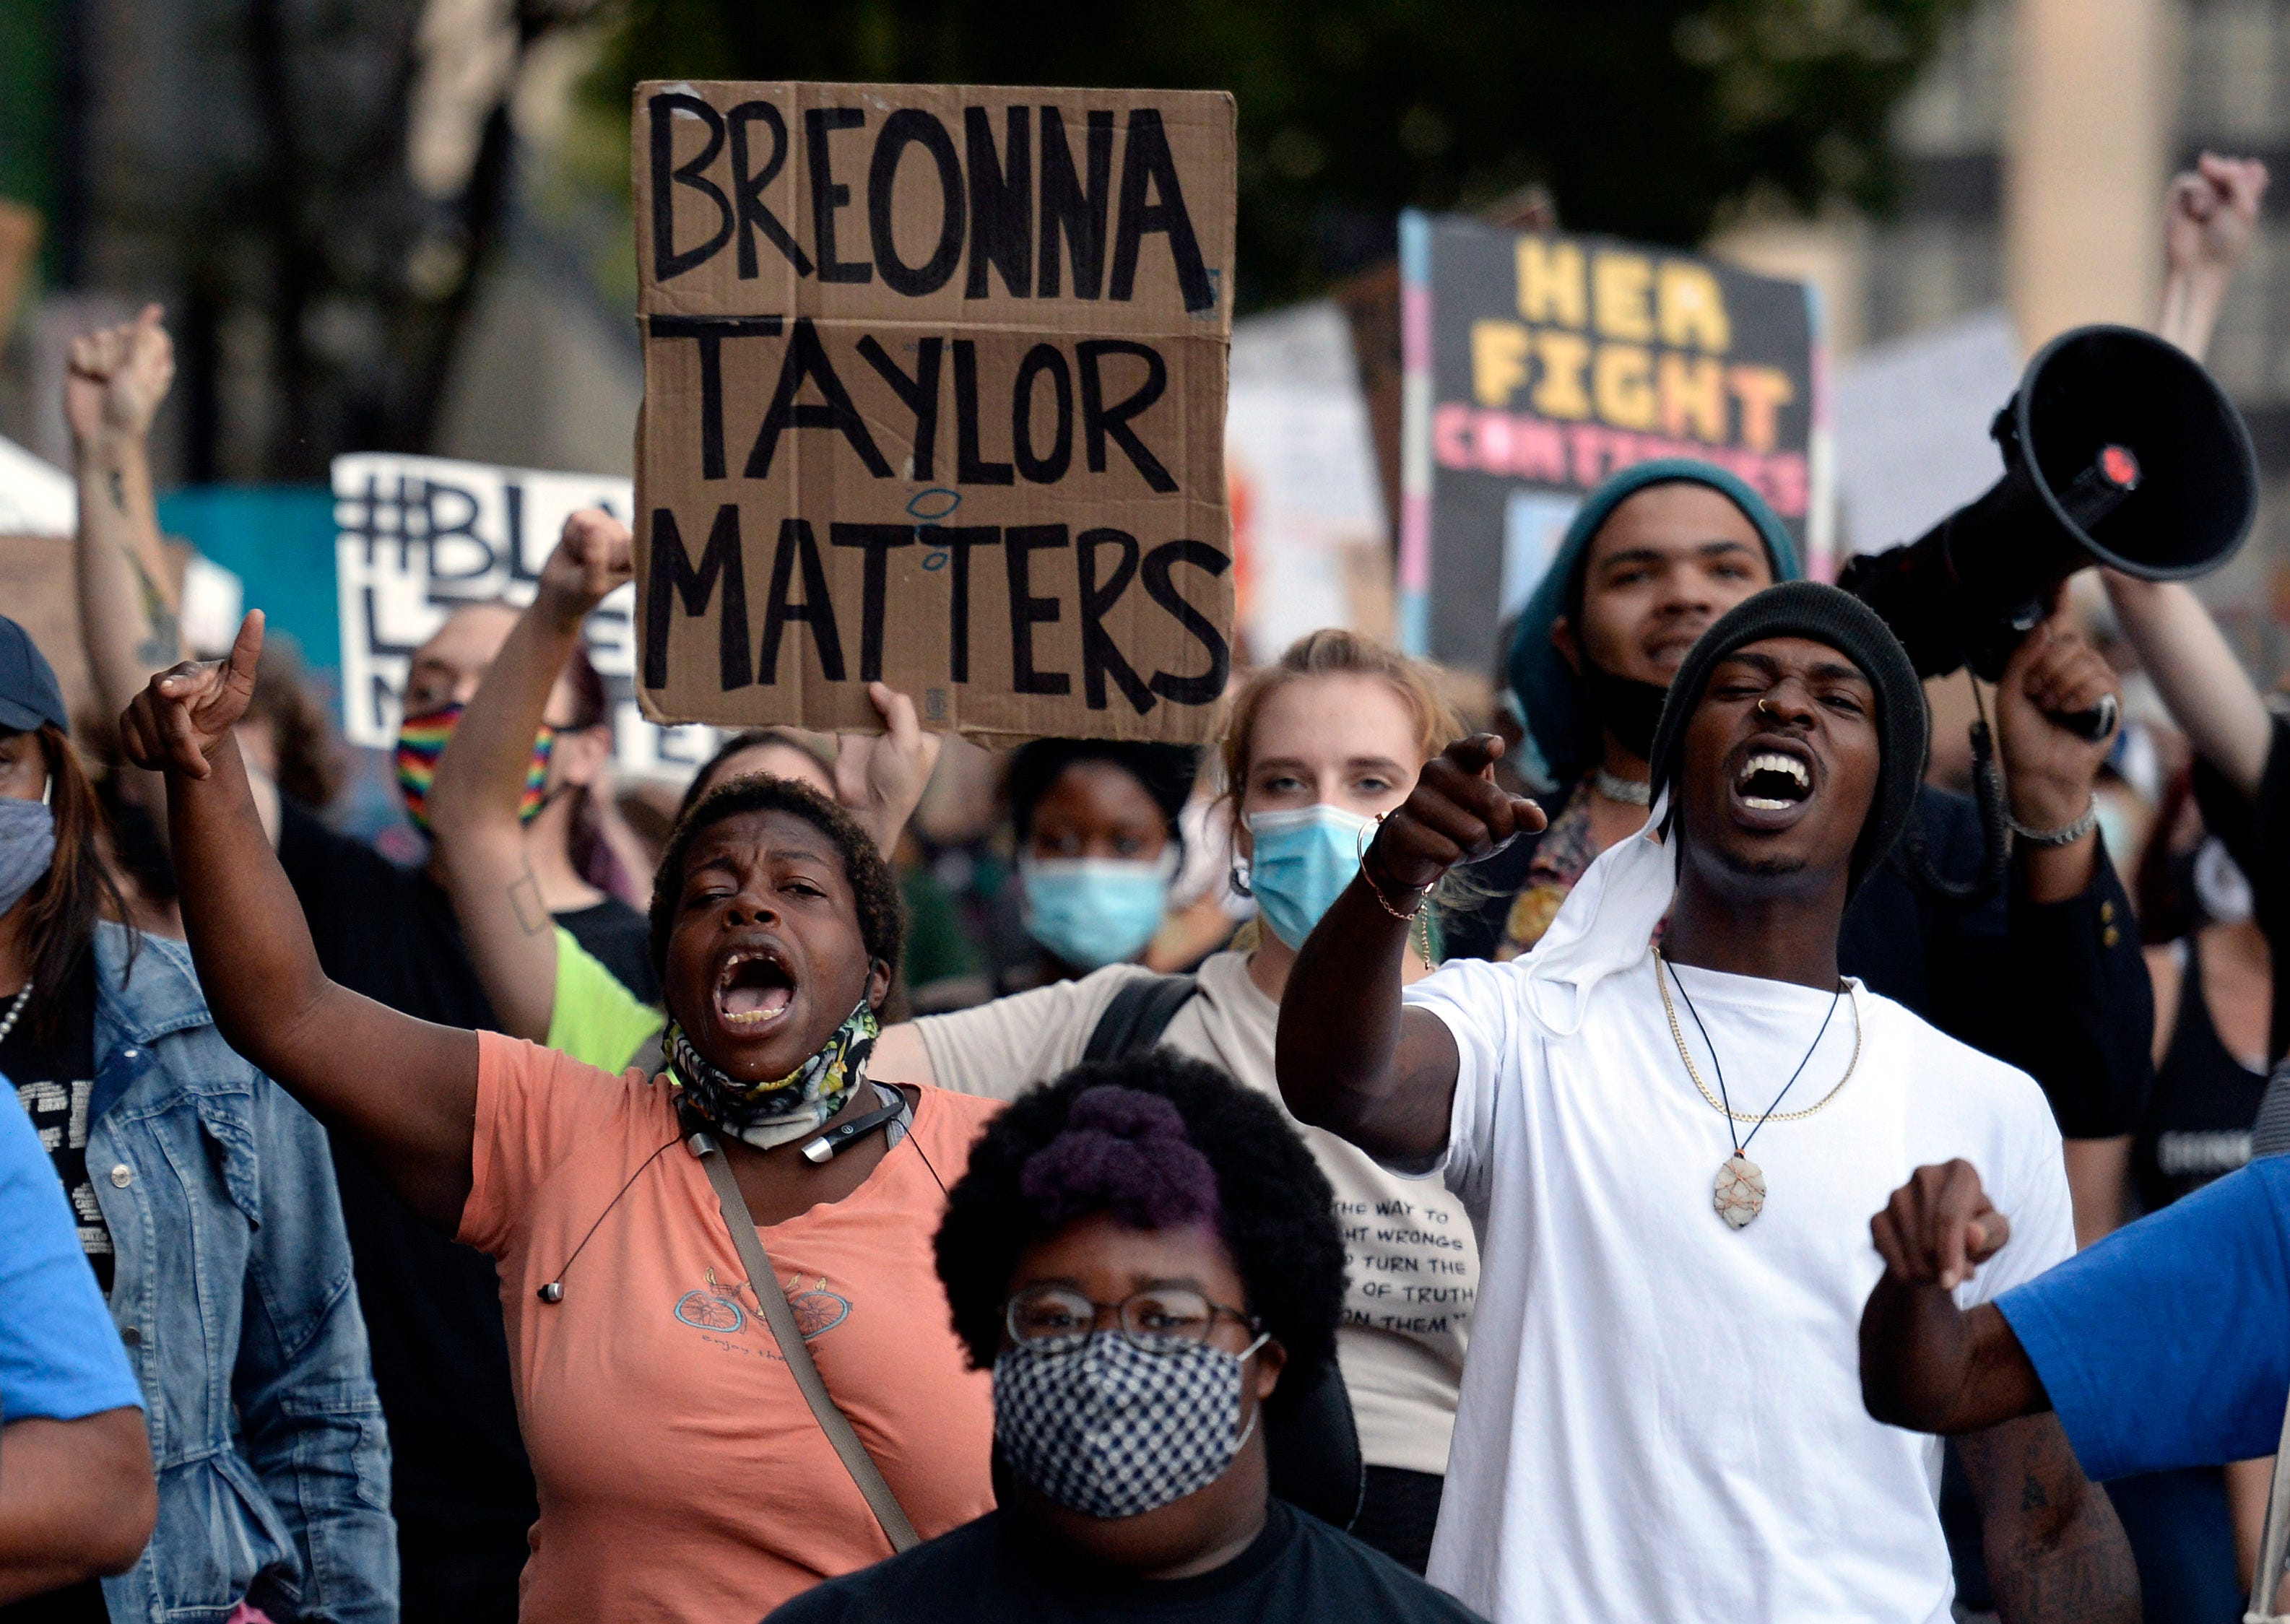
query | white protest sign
[418, 537]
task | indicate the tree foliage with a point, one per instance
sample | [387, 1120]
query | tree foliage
[1648, 118]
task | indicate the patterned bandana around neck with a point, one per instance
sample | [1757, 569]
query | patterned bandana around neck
[800, 1103]
[422, 739]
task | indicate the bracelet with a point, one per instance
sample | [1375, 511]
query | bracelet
[1377, 891]
[2065, 835]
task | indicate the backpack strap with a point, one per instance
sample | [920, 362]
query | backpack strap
[1140, 1013]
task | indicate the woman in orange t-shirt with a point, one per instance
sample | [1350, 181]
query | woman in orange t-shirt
[681, 1476]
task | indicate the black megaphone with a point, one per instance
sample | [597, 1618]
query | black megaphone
[2118, 449]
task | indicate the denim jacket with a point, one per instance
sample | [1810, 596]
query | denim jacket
[232, 1294]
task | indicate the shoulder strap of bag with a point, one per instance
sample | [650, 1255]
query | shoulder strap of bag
[1140, 1013]
[781, 1317]
[2274, 1542]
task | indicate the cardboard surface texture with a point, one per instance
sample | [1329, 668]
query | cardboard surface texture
[934, 393]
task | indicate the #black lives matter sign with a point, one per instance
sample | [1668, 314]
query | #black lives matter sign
[934, 385]
[1538, 364]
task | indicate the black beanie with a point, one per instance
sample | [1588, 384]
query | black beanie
[1821, 614]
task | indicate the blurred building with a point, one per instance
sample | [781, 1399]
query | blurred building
[2034, 153]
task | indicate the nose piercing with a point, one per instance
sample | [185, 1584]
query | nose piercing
[1762, 710]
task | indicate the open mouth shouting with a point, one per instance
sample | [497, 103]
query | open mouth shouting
[754, 990]
[1772, 781]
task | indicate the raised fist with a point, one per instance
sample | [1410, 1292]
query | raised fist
[118, 376]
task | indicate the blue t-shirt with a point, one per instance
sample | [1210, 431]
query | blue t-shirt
[2168, 1344]
[59, 1353]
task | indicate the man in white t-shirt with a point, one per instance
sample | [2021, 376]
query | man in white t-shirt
[1670, 1156]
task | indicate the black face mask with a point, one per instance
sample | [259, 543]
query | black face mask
[1628, 709]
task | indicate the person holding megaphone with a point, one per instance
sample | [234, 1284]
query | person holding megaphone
[2044, 972]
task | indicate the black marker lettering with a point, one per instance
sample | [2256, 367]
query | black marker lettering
[1100, 655]
[807, 359]
[817, 610]
[666, 175]
[1146, 160]
[748, 188]
[1019, 544]
[958, 540]
[913, 126]
[1001, 202]
[1099, 420]
[709, 332]
[878, 540]
[827, 194]
[1050, 469]
[1208, 687]
[673, 578]
[1072, 210]
[920, 392]
[969, 468]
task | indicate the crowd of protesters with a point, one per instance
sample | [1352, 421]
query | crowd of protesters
[1299, 1178]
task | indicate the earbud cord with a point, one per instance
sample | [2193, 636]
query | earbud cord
[565, 1268]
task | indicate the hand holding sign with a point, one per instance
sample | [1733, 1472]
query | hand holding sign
[180, 718]
[879, 778]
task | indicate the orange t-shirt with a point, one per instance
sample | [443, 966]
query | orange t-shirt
[681, 1476]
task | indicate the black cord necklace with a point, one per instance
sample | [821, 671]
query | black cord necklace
[1739, 1188]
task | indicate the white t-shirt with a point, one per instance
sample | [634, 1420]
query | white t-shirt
[1411, 1261]
[1661, 1416]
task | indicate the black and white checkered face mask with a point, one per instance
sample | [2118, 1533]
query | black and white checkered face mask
[1107, 1428]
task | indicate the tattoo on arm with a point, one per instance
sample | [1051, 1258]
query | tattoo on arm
[118, 488]
[163, 643]
[525, 900]
[2056, 1554]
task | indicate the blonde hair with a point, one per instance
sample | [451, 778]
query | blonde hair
[1332, 651]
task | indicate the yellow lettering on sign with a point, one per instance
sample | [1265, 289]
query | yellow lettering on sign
[1693, 307]
[1498, 361]
[1692, 394]
[1621, 295]
[1551, 282]
[1565, 357]
[1763, 391]
[1621, 381]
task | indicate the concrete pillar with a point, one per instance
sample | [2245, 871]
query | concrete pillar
[2087, 148]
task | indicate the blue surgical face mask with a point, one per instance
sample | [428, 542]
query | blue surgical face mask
[1091, 911]
[1302, 861]
[28, 847]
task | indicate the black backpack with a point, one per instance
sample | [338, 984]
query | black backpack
[1311, 1442]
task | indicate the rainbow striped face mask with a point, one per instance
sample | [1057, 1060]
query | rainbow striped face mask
[422, 740]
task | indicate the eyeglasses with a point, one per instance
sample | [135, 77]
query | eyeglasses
[1048, 1315]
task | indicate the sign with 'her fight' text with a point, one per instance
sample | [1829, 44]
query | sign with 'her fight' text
[1537, 364]
[934, 383]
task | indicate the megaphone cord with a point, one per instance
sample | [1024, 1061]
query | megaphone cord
[1988, 796]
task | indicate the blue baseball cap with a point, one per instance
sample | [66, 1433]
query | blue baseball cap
[29, 693]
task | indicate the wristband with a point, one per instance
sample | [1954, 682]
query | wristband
[2065, 835]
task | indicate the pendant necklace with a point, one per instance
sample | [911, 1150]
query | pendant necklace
[1738, 1191]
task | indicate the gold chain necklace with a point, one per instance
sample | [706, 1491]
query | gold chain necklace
[1739, 1191]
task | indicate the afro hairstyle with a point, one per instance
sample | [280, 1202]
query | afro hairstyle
[1028, 1176]
[1164, 772]
[882, 917]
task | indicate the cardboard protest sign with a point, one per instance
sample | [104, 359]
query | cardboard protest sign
[934, 383]
[1537, 364]
[418, 537]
